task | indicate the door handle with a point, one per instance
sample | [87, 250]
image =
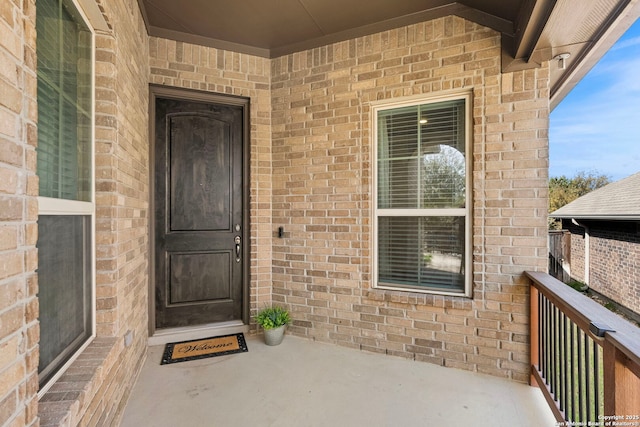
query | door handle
[238, 240]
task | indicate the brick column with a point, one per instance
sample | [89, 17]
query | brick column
[19, 331]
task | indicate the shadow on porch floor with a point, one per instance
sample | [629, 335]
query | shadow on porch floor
[304, 383]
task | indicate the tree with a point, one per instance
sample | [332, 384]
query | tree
[563, 190]
[443, 175]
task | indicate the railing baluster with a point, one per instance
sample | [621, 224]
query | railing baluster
[588, 380]
[563, 364]
[570, 370]
[554, 352]
[581, 381]
[581, 415]
[572, 394]
[548, 345]
[597, 378]
[561, 358]
[540, 331]
[567, 352]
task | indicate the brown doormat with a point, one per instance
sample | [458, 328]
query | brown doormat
[206, 347]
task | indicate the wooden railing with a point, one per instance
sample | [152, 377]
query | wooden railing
[584, 358]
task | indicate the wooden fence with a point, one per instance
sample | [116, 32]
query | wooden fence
[560, 255]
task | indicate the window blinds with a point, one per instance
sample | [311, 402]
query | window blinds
[64, 103]
[421, 156]
[421, 196]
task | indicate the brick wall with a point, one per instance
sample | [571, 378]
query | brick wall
[577, 250]
[19, 331]
[122, 202]
[614, 260]
[94, 389]
[321, 102]
[184, 65]
[310, 172]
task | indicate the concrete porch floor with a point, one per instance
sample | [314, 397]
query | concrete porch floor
[304, 383]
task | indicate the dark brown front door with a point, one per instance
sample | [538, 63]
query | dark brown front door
[199, 224]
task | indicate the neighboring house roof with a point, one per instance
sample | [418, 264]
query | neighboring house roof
[619, 200]
[533, 31]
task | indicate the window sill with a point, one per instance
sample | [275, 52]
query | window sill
[69, 398]
[417, 298]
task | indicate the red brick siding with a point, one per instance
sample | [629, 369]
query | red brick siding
[615, 263]
[577, 251]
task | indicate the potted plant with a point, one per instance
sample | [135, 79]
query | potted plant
[273, 320]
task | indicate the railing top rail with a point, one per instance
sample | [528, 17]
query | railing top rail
[583, 311]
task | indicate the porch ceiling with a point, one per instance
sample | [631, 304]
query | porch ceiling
[533, 30]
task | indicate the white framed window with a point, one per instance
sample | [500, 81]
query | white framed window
[66, 203]
[422, 194]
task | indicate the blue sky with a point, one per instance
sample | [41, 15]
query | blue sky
[596, 127]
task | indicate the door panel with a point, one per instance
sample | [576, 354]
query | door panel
[200, 179]
[199, 222]
[199, 277]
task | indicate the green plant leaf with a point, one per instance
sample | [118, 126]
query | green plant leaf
[272, 317]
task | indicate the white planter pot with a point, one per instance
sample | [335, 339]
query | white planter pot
[274, 336]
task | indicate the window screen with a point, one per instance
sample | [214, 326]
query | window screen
[64, 288]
